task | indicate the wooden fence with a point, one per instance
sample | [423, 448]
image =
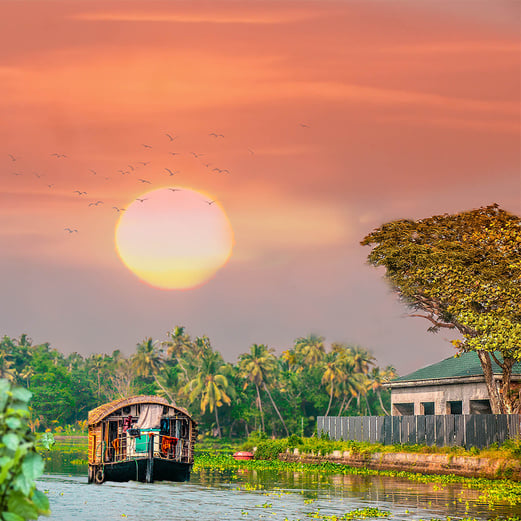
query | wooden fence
[467, 430]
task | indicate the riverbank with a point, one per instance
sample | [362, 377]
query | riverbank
[466, 466]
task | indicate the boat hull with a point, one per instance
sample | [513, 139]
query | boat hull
[140, 469]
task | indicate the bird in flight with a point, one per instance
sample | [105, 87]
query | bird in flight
[96, 203]
[175, 153]
[175, 189]
[144, 163]
[16, 173]
[131, 167]
[118, 209]
[251, 151]
[170, 137]
[142, 200]
[71, 230]
[79, 193]
[304, 126]
[146, 146]
[210, 202]
[37, 175]
[221, 170]
[170, 171]
[144, 181]
[196, 155]
[213, 134]
[58, 156]
[93, 171]
[50, 186]
[12, 157]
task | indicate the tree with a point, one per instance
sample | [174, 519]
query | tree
[211, 386]
[179, 346]
[462, 272]
[147, 361]
[257, 367]
[310, 350]
[334, 373]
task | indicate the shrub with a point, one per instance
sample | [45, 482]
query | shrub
[20, 465]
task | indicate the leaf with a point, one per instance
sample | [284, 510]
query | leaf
[32, 466]
[11, 441]
[13, 423]
[21, 394]
[10, 516]
[22, 506]
[4, 386]
[41, 502]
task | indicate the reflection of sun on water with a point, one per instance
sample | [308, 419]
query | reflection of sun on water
[174, 239]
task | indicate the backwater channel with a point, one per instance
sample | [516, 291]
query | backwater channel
[234, 494]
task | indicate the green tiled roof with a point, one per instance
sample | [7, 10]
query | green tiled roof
[467, 364]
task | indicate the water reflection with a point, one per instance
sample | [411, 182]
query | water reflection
[232, 495]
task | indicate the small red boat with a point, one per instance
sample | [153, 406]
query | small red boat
[242, 455]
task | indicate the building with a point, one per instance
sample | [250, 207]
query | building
[455, 385]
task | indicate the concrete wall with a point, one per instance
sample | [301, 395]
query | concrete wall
[440, 395]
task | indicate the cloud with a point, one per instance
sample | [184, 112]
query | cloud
[275, 17]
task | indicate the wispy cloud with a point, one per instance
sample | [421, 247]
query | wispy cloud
[264, 17]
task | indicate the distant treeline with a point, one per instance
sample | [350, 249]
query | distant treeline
[278, 395]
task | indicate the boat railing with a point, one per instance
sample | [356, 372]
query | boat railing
[131, 447]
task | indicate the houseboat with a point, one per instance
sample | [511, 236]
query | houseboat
[142, 438]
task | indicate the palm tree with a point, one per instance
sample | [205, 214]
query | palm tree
[378, 377]
[334, 373]
[148, 361]
[211, 386]
[179, 346]
[310, 350]
[257, 367]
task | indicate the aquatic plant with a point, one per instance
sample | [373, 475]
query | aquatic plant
[20, 464]
[491, 491]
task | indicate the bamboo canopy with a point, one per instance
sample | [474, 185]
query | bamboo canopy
[101, 412]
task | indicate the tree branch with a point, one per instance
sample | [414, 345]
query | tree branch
[434, 321]
[502, 365]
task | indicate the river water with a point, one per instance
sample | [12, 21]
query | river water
[213, 495]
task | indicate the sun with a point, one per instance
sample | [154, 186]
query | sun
[174, 238]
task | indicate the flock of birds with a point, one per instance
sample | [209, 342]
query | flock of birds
[133, 168]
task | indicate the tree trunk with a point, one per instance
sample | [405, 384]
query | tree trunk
[367, 403]
[330, 400]
[486, 365]
[347, 405]
[342, 405]
[275, 407]
[217, 421]
[505, 385]
[379, 394]
[172, 401]
[260, 407]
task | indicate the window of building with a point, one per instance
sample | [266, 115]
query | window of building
[480, 407]
[403, 409]
[455, 407]
[427, 408]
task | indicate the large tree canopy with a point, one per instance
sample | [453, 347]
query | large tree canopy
[462, 271]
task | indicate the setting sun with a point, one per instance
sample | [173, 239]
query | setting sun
[174, 238]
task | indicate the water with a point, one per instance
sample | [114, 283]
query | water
[213, 495]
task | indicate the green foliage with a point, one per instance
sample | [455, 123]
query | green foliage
[278, 395]
[463, 272]
[270, 449]
[20, 465]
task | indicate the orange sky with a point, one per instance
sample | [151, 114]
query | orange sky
[336, 116]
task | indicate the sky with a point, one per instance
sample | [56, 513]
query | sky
[331, 118]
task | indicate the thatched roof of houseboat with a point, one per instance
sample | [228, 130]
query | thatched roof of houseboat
[96, 415]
